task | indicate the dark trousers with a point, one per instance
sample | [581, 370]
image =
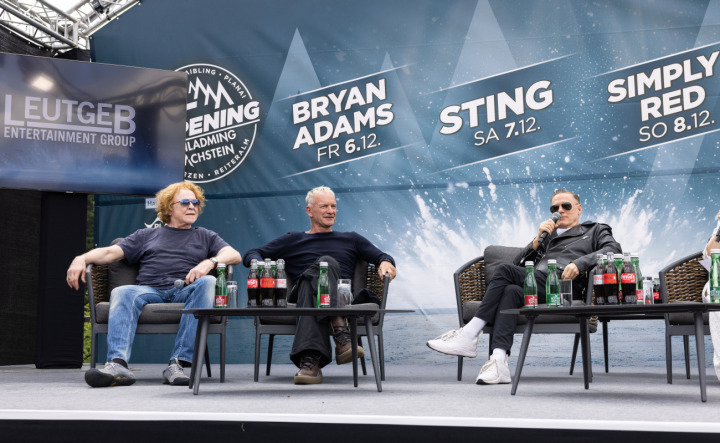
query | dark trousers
[312, 333]
[505, 291]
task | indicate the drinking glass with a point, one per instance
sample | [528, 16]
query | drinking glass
[232, 294]
[566, 292]
[344, 292]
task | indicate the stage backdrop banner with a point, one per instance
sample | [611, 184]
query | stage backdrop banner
[443, 127]
[87, 127]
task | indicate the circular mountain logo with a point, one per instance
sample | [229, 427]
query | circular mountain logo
[222, 120]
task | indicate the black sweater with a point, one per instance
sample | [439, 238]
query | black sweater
[300, 250]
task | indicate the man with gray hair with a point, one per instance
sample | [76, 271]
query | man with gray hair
[303, 252]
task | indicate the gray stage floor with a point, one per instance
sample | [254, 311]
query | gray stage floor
[624, 399]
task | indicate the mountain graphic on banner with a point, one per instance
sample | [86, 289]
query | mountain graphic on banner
[298, 74]
[485, 53]
[408, 156]
[693, 154]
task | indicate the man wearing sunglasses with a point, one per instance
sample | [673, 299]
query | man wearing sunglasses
[176, 251]
[571, 243]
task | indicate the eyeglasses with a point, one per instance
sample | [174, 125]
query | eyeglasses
[186, 202]
[566, 206]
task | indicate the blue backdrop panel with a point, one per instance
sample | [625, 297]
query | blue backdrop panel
[444, 127]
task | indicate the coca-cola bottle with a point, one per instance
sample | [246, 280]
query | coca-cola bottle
[598, 286]
[628, 281]
[610, 281]
[267, 286]
[530, 289]
[281, 284]
[657, 299]
[253, 286]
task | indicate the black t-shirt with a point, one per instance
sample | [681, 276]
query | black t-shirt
[167, 254]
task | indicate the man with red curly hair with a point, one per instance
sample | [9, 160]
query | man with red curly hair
[166, 254]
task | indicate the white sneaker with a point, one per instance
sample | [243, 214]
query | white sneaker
[493, 373]
[455, 343]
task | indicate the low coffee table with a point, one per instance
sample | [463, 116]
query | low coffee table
[583, 313]
[352, 314]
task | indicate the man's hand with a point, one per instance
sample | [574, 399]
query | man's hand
[202, 269]
[75, 272]
[570, 272]
[387, 267]
[546, 226]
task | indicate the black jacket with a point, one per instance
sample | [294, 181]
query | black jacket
[578, 245]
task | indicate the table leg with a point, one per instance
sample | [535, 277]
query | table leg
[605, 345]
[373, 352]
[523, 351]
[353, 339]
[584, 334]
[195, 354]
[700, 343]
[203, 323]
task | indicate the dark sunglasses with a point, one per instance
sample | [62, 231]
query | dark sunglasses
[566, 206]
[186, 202]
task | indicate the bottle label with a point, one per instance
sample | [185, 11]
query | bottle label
[598, 279]
[610, 278]
[281, 283]
[324, 300]
[221, 301]
[715, 295]
[627, 277]
[640, 294]
[531, 300]
[553, 300]
[252, 283]
[267, 282]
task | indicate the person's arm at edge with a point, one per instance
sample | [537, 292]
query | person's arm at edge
[712, 244]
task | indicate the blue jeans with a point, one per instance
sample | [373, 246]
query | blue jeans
[126, 304]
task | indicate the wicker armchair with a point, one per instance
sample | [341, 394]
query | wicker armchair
[682, 281]
[471, 281]
[154, 319]
[365, 276]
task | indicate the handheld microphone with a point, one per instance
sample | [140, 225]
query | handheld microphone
[179, 284]
[555, 217]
